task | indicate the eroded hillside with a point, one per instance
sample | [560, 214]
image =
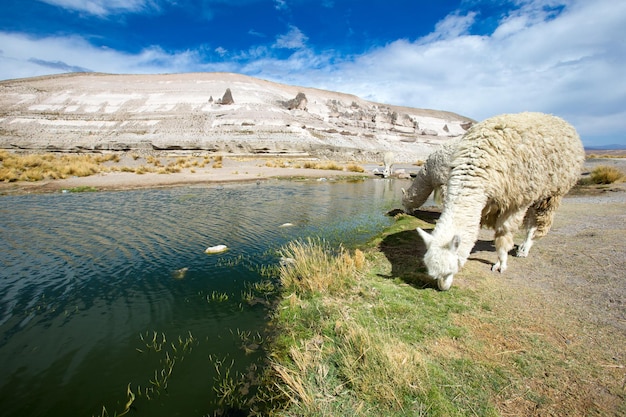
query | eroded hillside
[98, 112]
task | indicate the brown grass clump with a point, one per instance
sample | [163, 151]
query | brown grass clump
[330, 165]
[111, 157]
[36, 167]
[606, 175]
[616, 154]
[354, 168]
[314, 267]
[153, 160]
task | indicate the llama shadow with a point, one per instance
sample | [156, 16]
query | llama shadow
[405, 251]
[482, 246]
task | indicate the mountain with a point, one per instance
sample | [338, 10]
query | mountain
[211, 112]
[613, 147]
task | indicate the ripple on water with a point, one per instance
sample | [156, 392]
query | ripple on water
[81, 275]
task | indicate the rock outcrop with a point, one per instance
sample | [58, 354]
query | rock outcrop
[227, 98]
[297, 103]
[97, 112]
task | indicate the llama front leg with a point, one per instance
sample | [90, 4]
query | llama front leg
[504, 243]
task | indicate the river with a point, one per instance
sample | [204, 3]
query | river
[110, 293]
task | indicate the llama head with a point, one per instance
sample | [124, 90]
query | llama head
[442, 261]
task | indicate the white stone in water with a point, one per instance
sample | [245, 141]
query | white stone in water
[286, 225]
[216, 249]
[180, 273]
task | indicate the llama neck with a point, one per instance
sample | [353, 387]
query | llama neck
[461, 216]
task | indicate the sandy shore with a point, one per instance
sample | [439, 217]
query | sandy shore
[232, 170]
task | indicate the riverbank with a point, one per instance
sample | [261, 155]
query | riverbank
[126, 170]
[172, 170]
[544, 338]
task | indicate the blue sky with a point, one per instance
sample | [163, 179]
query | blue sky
[478, 58]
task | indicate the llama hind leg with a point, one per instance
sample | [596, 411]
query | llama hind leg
[524, 248]
[530, 224]
[538, 222]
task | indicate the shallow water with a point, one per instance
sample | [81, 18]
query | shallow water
[91, 303]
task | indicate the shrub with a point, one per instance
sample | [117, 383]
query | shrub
[314, 266]
[605, 175]
[354, 168]
[36, 167]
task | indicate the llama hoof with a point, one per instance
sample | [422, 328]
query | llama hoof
[522, 251]
[498, 267]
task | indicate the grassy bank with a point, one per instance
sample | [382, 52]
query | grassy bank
[362, 333]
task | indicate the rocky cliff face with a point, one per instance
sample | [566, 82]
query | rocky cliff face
[97, 112]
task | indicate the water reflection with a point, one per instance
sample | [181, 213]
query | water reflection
[84, 276]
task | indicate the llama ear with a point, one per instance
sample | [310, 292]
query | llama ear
[454, 243]
[426, 237]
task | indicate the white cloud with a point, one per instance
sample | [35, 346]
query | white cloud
[256, 33]
[293, 39]
[25, 56]
[454, 25]
[221, 51]
[280, 4]
[569, 62]
[102, 7]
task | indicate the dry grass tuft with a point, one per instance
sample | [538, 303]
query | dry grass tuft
[606, 175]
[36, 167]
[315, 267]
[354, 168]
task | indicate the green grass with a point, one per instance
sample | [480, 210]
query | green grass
[83, 189]
[354, 334]
[361, 333]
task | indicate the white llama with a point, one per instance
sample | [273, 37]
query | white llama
[502, 168]
[431, 178]
[434, 175]
[388, 159]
